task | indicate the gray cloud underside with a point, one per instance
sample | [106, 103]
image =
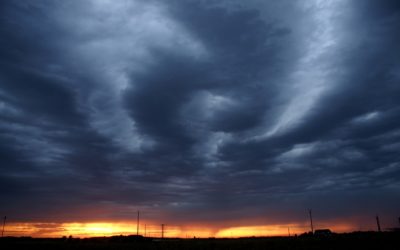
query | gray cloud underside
[213, 108]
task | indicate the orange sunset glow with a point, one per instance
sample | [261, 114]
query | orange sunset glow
[101, 229]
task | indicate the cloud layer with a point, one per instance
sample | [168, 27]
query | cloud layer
[199, 111]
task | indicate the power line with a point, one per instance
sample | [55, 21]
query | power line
[137, 223]
[378, 223]
[311, 221]
[4, 223]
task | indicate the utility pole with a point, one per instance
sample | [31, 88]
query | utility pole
[137, 223]
[162, 231]
[144, 230]
[4, 223]
[288, 230]
[311, 221]
[378, 223]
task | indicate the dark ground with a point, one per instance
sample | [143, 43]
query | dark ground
[364, 240]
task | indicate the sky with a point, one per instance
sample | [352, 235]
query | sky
[211, 117]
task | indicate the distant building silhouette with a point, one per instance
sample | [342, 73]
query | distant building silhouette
[323, 232]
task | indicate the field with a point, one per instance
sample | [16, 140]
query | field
[365, 240]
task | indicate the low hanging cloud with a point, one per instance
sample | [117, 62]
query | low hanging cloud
[217, 109]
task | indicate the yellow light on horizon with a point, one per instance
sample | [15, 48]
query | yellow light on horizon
[100, 229]
[250, 231]
[94, 229]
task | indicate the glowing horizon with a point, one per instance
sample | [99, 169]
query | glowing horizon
[106, 229]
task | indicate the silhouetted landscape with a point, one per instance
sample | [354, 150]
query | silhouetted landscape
[356, 240]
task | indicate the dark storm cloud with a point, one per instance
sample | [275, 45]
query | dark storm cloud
[187, 107]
